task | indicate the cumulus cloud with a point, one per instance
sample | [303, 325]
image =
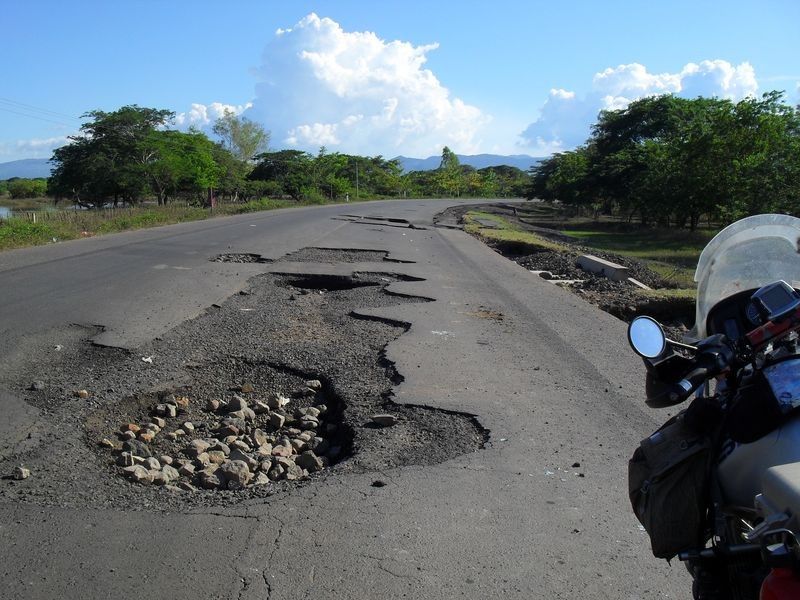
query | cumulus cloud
[354, 92]
[201, 115]
[33, 148]
[564, 119]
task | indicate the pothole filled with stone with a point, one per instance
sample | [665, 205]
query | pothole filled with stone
[237, 438]
[240, 258]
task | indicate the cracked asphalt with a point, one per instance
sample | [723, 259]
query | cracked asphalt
[540, 511]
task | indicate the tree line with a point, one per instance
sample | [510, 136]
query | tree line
[20, 187]
[673, 162]
[132, 154]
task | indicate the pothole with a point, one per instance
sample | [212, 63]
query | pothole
[239, 257]
[257, 347]
[326, 283]
[272, 426]
[336, 255]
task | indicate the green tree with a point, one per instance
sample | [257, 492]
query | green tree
[449, 176]
[103, 164]
[176, 163]
[26, 188]
[243, 138]
[290, 169]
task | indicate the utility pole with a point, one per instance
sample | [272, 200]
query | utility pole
[356, 179]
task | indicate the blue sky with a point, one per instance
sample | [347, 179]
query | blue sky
[384, 77]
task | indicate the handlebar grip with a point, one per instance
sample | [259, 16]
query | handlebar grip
[689, 383]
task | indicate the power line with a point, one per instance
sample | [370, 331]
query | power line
[34, 117]
[31, 107]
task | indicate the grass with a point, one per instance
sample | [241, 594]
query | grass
[507, 233]
[672, 254]
[60, 224]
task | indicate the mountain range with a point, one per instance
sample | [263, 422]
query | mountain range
[31, 168]
[28, 168]
[479, 161]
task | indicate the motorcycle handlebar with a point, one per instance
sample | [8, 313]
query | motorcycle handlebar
[716, 355]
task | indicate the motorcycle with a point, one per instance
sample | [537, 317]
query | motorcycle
[718, 485]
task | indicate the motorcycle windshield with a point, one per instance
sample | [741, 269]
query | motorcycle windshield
[746, 255]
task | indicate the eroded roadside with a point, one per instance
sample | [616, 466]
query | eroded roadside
[559, 265]
[281, 371]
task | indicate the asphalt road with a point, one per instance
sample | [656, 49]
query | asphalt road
[541, 512]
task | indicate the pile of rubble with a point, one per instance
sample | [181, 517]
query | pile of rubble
[237, 444]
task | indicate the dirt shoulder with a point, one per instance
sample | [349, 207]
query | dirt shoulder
[554, 255]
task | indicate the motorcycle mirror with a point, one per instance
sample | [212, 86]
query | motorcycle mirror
[646, 337]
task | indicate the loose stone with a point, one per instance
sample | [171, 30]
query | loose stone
[20, 473]
[36, 386]
[224, 448]
[129, 427]
[261, 479]
[259, 437]
[241, 445]
[164, 459]
[264, 450]
[260, 407]
[247, 388]
[182, 402]
[195, 448]
[294, 473]
[238, 455]
[314, 384]
[211, 478]
[147, 436]
[384, 420]
[186, 470]
[188, 427]
[170, 474]
[125, 459]
[81, 394]
[237, 403]
[137, 448]
[237, 471]
[310, 461]
[138, 473]
[106, 443]
[159, 421]
[276, 472]
[282, 451]
[186, 486]
[277, 420]
[216, 457]
[277, 401]
[212, 405]
[152, 464]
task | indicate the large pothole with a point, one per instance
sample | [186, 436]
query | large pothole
[266, 343]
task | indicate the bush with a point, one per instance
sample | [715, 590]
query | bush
[20, 232]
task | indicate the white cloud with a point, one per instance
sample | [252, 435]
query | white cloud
[354, 92]
[32, 148]
[564, 119]
[201, 115]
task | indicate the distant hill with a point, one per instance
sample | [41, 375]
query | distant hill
[29, 168]
[479, 161]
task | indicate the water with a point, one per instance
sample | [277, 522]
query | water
[4, 212]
